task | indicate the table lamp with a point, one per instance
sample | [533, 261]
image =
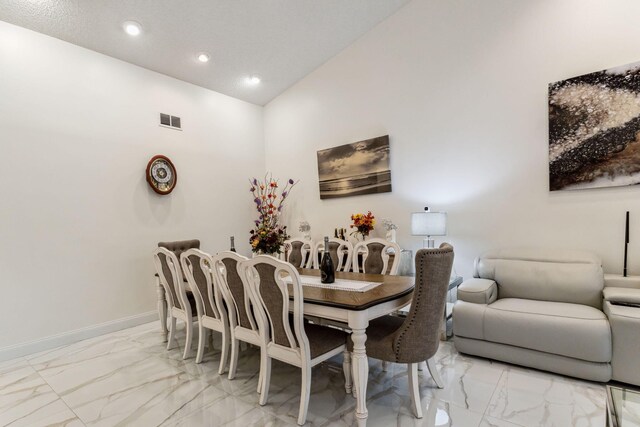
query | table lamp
[428, 224]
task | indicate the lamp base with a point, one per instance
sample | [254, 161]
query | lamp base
[428, 243]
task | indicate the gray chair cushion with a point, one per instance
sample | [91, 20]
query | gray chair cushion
[323, 339]
[237, 292]
[374, 264]
[273, 304]
[295, 257]
[380, 336]
[201, 282]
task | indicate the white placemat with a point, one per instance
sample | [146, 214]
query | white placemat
[340, 284]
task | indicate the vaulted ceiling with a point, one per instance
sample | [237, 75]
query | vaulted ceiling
[279, 41]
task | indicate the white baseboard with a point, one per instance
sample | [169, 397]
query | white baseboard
[65, 338]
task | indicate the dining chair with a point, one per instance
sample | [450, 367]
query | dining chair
[415, 339]
[285, 335]
[177, 247]
[374, 254]
[242, 324]
[180, 304]
[337, 250]
[297, 250]
[212, 314]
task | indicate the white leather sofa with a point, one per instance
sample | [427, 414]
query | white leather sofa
[541, 309]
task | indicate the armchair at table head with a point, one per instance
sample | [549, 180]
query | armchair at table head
[375, 257]
[416, 338]
[178, 247]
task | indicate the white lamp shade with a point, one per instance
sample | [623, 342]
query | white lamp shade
[429, 223]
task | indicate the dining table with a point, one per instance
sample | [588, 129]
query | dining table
[347, 307]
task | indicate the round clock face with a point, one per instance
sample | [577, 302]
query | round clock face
[161, 175]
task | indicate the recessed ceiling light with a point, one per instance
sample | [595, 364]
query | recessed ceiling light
[132, 28]
[204, 57]
[253, 80]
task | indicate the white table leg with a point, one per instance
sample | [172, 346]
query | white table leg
[361, 374]
[162, 309]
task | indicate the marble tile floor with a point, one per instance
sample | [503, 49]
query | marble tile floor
[128, 378]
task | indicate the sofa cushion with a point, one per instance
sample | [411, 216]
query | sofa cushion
[571, 330]
[545, 275]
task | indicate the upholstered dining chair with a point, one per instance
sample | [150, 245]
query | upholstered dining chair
[286, 337]
[180, 305]
[374, 254]
[242, 324]
[297, 250]
[212, 314]
[177, 247]
[337, 250]
[416, 338]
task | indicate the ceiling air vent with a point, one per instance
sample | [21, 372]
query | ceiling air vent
[171, 122]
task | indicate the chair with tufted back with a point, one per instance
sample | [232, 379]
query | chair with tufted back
[375, 257]
[416, 338]
[299, 252]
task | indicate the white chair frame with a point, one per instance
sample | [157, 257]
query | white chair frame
[237, 332]
[307, 248]
[344, 245]
[299, 353]
[174, 312]
[220, 321]
[361, 248]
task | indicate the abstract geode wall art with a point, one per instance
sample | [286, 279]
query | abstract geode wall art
[594, 129]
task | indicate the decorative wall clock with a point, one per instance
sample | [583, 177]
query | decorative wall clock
[161, 174]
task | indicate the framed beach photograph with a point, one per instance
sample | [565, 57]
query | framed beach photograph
[355, 169]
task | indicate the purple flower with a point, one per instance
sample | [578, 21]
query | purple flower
[253, 189]
[284, 194]
[290, 181]
[255, 181]
[257, 200]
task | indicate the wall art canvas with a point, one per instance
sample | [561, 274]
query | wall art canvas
[594, 129]
[355, 169]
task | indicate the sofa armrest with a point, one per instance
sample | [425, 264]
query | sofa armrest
[478, 291]
[622, 295]
[618, 281]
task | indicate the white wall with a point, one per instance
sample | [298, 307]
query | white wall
[78, 222]
[461, 88]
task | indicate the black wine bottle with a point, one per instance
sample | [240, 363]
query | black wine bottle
[327, 273]
[233, 245]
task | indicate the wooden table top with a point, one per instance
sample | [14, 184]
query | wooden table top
[392, 287]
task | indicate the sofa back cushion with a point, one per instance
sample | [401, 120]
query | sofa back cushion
[545, 275]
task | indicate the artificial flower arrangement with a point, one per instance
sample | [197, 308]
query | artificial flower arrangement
[268, 236]
[363, 224]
